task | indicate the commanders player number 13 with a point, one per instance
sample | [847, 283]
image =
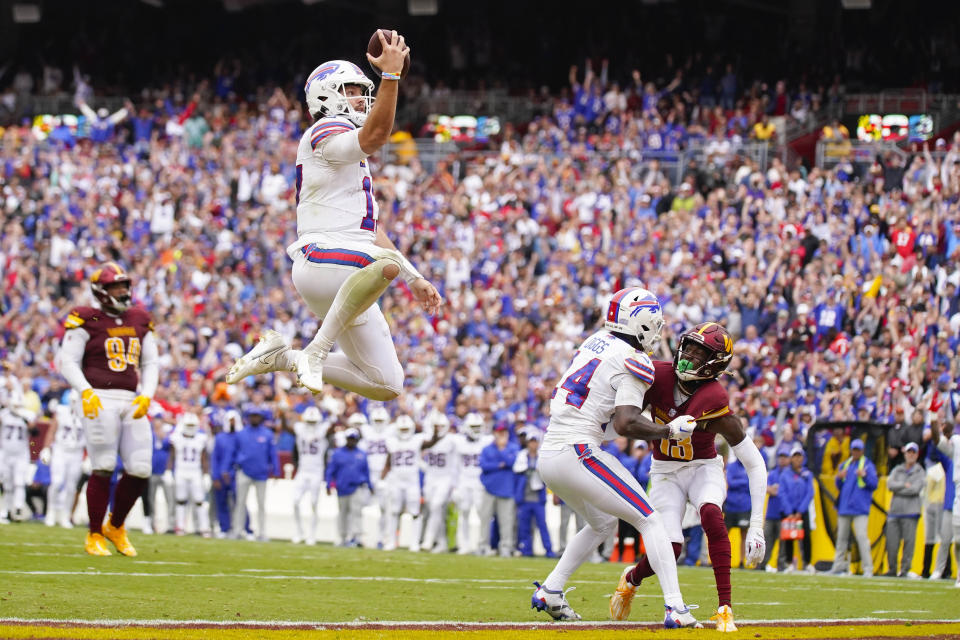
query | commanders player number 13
[119, 356]
[677, 449]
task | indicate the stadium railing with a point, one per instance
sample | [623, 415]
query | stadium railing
[672, 163]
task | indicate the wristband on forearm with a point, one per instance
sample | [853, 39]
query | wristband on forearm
[386, 75]
[409, 273]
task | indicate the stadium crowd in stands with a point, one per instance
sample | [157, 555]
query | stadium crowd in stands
[841, 287]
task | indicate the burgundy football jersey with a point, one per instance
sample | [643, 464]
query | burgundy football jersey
[111, 359]
[709, 401]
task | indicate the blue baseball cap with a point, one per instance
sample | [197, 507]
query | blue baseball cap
[856, 444]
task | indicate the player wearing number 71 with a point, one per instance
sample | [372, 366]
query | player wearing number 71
[343, 260]
[688, 469]
[103, 348]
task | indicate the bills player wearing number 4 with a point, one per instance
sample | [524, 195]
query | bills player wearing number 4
[599, 397]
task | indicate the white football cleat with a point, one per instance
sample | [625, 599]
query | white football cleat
[49, 520]
[261, 359]
[724, 619]
[554, 603]
[310, 371]
[680, 618]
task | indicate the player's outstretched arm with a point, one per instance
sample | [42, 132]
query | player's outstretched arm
[730, 427]
[379, 125]
[629, 422]
[422, 289]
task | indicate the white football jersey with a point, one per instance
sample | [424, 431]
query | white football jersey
[14, 435]
[404, 459]
[311, 447]
[440, 461]
[334, 199]
[189, 451]
[69, 435]
[374, 443]
[583, 401]
[468, 456]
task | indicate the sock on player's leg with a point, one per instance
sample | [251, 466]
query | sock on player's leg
[643, 569]
[129, 488]
[718, 543]
[202, 517]
[580, 548]
[98, 495]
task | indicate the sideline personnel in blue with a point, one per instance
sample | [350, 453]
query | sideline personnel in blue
[496, 476]
[347, 472]
[256, 460]
[856, 480]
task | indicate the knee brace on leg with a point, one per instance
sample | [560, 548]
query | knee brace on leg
[357, 293]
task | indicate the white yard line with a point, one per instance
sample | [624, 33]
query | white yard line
[423, 623]
[282, 574]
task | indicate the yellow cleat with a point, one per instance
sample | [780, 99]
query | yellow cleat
[118, 536]
[622, 597]
[724, 618]
[95, 545]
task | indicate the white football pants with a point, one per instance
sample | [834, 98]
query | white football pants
[468, 496]
[65, 469]
[597, 486]
[367, 362]
[14, 470]
[312, 483]
[115, 430]
[190, 493]
[436, 496]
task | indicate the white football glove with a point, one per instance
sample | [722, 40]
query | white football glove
[756, 546]
[168, 478]
[45, 455]
[207, 483]
[682, 427]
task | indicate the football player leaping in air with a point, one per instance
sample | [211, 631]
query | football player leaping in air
[688, 469]
[604, 387]
[102, 350]
[342, 259]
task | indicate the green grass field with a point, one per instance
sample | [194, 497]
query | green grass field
[44, 574]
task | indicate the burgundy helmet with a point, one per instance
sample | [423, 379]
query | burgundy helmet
[102, 278]
[704, 352]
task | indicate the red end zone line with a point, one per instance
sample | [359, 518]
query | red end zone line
[442, 624]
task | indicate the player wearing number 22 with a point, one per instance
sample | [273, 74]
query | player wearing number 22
[343, 260]
[689, 470]
[103, 349]
[602, 391]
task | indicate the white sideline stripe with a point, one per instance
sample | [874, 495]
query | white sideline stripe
[260, 575]
[423, 623]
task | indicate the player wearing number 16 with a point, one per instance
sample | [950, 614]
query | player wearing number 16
[602, 391]
[103, 349]
[343, 260]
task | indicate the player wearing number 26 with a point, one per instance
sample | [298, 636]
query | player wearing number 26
[343, 260]
[109, 356]
[600, 396]
[688, 469]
